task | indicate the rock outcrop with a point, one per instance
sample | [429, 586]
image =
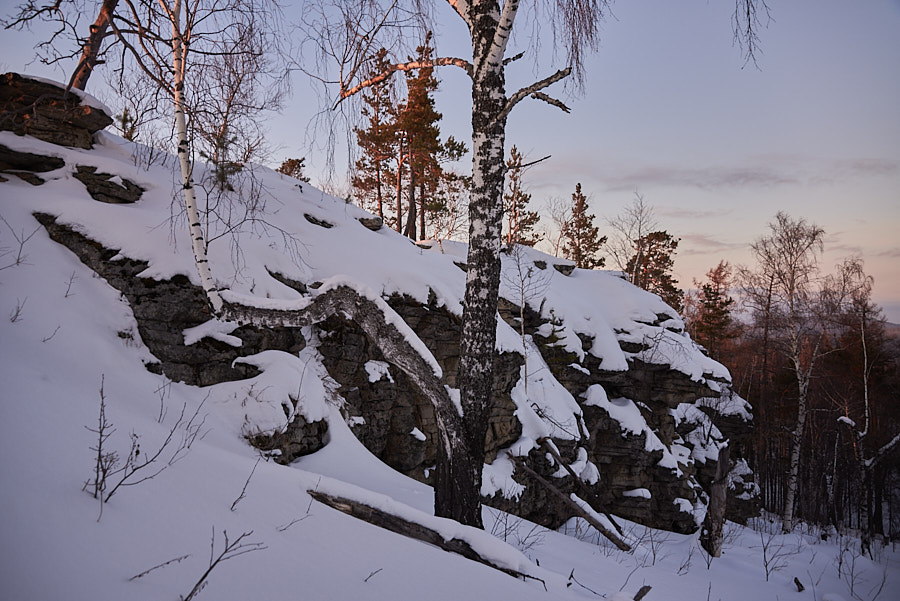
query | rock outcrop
[107, 187]
[26, 165]
[641, 434]
[44, 110]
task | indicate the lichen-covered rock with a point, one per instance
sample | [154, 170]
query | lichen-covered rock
[44, 110]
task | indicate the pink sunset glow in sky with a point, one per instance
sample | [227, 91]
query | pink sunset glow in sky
[671, 110]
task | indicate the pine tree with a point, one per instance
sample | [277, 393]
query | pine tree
[520, 222]
[582, 237]
[378, 144]
[127, 125]
[294, 168]
[402, 152]
[418, 119]
[219, 154]
[712, 324]
[651, 267]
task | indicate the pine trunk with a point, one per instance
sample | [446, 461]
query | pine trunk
[91, 49]
[411, 217]
[399, 190]
[422, 234]
[378, 195]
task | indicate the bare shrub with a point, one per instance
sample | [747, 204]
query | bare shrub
[230, 550]
[111, 472]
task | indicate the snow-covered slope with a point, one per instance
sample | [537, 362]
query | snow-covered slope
[68, 341]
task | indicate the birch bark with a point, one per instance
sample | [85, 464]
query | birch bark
[198, 243]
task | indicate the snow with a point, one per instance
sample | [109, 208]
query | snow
[63, 331]
[846, 420]
[215, 329]
[86, 99]
[378, 370]
[639, 493]
[729, 403]
[630, 420]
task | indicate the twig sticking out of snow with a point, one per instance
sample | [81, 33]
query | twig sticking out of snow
[232, 549]
[246, 484]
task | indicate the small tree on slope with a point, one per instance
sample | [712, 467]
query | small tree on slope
[520, 222]
[582, 237]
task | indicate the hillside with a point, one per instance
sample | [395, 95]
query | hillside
[103, 310]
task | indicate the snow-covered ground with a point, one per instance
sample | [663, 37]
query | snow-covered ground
[67, 339]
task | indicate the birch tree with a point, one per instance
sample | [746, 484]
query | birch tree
[862, 319]
[787, 278]
[348, 33]
[67, 39]
[630, 229]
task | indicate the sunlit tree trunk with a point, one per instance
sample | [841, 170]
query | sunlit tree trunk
[91, 51]
[198, 243]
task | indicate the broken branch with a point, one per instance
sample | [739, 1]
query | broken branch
[618, 542]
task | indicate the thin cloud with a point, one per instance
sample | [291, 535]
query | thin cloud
[890, 253]
[692, 214]
[707, 178]
[857, 168]
[701, 244]
[851, 249]
[770, 172]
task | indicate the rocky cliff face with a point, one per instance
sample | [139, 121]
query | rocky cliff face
[641, 427]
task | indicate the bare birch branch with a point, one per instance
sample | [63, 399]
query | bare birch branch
[532, 89]
[410, 66]
[550, 100]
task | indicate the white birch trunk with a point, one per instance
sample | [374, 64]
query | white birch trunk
[198, 243]
[803, 378]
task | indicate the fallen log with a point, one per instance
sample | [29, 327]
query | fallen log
[394, 523]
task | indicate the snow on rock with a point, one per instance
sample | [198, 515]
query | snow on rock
[215, 329]
[378, 370]
[728, 404]
[629, 417]
[498, 478]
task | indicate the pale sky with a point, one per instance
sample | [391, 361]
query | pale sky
[716, 146]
